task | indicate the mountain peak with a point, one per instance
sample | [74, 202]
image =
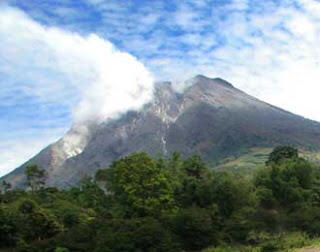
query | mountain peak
[223, 82]
[200, 76]
[207, 82]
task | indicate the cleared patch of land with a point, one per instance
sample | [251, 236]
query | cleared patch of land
[256, 158]
[309, 249]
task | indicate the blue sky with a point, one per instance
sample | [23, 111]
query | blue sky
[57, 56]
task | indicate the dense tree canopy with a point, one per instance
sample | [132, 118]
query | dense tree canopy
[140, 203]
[281, 153]
[140, 186]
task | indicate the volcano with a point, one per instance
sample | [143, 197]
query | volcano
[210, 117]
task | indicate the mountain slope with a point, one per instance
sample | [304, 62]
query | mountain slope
[210, 117]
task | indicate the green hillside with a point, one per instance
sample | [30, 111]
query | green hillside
[255, 158]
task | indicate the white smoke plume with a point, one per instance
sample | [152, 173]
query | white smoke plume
[120, 83]
[55, 65]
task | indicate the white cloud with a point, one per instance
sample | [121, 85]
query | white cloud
[54, 65]
[270, 51]
[282, 65]
[238, 5]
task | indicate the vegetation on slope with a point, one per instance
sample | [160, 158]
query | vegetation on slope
[255, 158]
[145, 204]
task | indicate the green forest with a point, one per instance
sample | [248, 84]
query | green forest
[141, 203]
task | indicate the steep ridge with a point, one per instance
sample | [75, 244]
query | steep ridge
[210, 117]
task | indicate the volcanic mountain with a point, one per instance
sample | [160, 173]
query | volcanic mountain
[210, 117]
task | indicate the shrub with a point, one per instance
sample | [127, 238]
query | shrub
[195, 228]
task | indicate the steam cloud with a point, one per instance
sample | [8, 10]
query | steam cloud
[86, 73]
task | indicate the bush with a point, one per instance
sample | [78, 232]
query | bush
[8, 227]
[36, 224]
[78, 238]
[61, 250]
[143, 234]
[294, 240]
[195, 228]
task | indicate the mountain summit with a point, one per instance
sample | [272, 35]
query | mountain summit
[210, 117]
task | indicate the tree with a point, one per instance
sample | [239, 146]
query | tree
[5, 186]
[288, 183]
[91, 195]
[195, 167]
[140, 186]
[195, 227]
[232, 193]
[195, 189]
[36, 223]
[281, 153]
[8, 227]
[137, 234]
[35, 177]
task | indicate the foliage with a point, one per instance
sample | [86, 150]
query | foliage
[35, 177]
[5, 187]
[142, 203]
[288, 183]
[195, 228]
[8, 227]
[141, 234]
[281, 153]
[140, 186]
[35, 223]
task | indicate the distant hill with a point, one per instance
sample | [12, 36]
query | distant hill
[210, 117]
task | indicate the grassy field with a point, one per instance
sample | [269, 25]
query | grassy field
[256, 158]
[286, 242]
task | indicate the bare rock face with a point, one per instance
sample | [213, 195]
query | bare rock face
[210, 117]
